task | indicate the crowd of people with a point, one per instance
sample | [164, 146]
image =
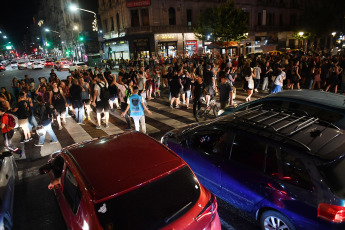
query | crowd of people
[188, 79]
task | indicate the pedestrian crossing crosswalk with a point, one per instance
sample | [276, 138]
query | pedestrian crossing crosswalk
[162, 120]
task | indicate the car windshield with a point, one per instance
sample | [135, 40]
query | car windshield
[334, 176]
[80, 64]
[151, 206]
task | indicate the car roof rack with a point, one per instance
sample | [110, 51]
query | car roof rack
[289, 121]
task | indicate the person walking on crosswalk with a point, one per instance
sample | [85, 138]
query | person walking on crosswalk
[136, 106]
[101, 104]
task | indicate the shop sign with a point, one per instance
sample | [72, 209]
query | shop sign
[141, 42]
[168, 36]
[192, 44]
[137, 3]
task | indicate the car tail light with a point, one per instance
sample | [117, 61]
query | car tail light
[209, 210]
[331, 213]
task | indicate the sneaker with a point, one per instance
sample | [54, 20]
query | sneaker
[81, 123]
[22, 141]
[26, 140]
[184, 102]
[106, 126]
[171, 106]
[12, 148]
[53, 142]
[38, 145]
[177, 107]
[30, 138]
[112, 110]
[255, 90]
[98, 127]
[60, 128]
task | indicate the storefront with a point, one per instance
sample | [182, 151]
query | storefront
[191, 47]
[141, 47]
[167, 48]
[117, 50]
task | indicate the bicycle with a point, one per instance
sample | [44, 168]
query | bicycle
[206, 112]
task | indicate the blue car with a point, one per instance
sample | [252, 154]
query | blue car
[326, 106]
[283, 168]
[8, 174]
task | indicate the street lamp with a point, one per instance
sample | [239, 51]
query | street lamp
[48, 30]
[300, 34]
[4, 36]
[74, 8]
[334, 33]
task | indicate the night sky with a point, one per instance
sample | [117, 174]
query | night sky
[16, 16]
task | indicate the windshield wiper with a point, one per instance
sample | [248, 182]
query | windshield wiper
[166, 220]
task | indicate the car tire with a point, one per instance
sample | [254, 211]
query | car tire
[275, 220]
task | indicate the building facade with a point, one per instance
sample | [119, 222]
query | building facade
[137, 28]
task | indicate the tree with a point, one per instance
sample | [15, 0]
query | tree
[224, 23]
[232, 23]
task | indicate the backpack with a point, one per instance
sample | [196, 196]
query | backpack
[104, 94]
[127, 94]
[12, 121]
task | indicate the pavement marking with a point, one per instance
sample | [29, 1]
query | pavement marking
[226, 225]
[76, 131]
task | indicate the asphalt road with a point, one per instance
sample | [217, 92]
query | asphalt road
[35, 206]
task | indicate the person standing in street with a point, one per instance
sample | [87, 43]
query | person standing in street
[23, 111]
[198, 89]
[45, 119]
[136, 107]
[125, 91]
[101, 100]
[7, 131]
[225, 93]
[77, 101]
[210, 84]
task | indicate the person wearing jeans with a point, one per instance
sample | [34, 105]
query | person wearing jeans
[137, 107]
[45, 119]
[47, 128]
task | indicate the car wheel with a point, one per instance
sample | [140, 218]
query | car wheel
[275, 220]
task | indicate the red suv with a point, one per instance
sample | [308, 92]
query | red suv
[130, 181]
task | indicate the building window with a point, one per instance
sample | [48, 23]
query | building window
[145, 17]
[259, 19]
[281, 22]
[189, 17]
[112, 24]
[172, 16]
[135, 18]
[292, 20]
[118, 22]
[105, 25]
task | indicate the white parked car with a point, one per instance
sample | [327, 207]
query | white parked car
[29, 63]
[37, 65]
[78, 65]
[64, 65]
[43, 61]
[14, 64]
[8, 174]
[22, 65]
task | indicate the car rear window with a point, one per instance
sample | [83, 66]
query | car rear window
[153, 205]
[333, 173]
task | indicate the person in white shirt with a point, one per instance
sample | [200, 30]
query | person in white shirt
[257, 70]
[278, 83]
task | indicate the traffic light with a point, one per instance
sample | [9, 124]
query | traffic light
[47, 44]
[81, 38]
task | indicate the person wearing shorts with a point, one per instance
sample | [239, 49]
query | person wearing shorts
[101, 106]
[57, 99]
[85, 96]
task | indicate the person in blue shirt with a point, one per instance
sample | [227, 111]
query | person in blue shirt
[136, 106]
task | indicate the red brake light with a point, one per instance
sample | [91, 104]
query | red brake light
[209, 210]
[331, 213]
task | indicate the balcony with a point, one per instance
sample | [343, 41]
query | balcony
[159, 29]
